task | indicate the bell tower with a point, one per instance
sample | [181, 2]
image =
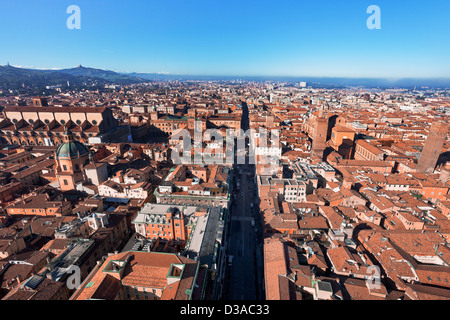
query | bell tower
[70, 158]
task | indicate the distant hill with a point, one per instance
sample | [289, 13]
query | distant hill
[32, 79]
[106, 75]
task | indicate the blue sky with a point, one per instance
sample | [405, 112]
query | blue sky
[234, 37]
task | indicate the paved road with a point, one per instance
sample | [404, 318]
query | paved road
[245, 276]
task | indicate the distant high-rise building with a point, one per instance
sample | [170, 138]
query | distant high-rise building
[433, 146]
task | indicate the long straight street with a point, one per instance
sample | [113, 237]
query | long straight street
[245, 272]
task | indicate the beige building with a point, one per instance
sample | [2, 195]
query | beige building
[41, 124]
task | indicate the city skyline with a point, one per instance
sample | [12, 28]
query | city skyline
[252, 39]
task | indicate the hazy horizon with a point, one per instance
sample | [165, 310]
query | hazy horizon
[231, 75]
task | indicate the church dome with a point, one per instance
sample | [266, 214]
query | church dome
[71, 148]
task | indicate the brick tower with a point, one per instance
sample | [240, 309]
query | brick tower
[319, 137]
[433, 146]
